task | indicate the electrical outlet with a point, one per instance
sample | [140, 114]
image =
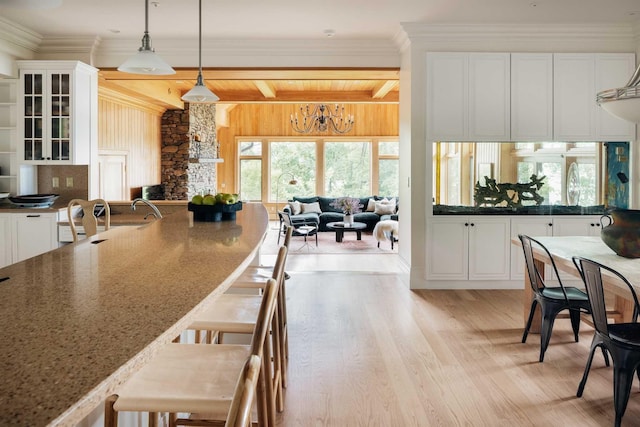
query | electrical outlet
[55, 182]
[69, 181]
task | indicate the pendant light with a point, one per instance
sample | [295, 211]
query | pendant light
[200, 93]
[624, 102]
[146, 61]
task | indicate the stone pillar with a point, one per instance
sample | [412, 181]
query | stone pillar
[188, 141]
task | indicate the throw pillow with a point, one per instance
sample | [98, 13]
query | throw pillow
[295, 207]
[384, 208]
[310, 207]
[371, 205]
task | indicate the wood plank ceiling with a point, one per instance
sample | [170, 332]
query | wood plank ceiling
[235, 86]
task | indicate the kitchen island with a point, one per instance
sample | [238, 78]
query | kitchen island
[77, 321]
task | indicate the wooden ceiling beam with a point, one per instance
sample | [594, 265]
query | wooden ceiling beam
[306, 96]
[383, 89]
[262, 74]
[162, 92]
[267, 89]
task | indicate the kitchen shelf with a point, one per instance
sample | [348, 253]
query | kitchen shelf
[194, 160]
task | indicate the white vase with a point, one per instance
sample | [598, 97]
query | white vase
[348, 220]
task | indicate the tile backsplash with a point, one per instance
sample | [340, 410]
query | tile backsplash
[79, 175]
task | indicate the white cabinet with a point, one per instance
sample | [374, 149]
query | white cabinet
[468, 96]
[33, 234]
[576, 80]
[468, 248]
[577, 225]
[531, 226]
[57, 104]
[532, 97]
[8, 129]
[5, 240]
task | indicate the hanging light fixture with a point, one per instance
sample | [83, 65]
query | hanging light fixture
[146, 61]
[200, 93]
[624, 102]
[321, 118]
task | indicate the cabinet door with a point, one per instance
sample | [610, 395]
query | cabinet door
[530, 227]
[5, 240]
[531, 97]
[32, 127]
[489, 97]
[33, 234]
[612, 71]
[576, 226]
[447, 256]
[59, 116]
[447, 96]
[489, 248]
[574, 97]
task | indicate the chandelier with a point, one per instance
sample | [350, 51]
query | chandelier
[623, 102]
[321, 118]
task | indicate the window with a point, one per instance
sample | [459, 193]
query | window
[347, 169]
[388, 168]
[332, 167]
[290, 160]
[250, 170]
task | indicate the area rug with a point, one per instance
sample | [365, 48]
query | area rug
[327, 244]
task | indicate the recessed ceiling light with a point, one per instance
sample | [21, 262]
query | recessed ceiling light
[634, 13]
[329, 33]
[114, 30]
[533, 4]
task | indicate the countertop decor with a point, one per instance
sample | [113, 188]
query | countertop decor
[215, 213]
[77, 321]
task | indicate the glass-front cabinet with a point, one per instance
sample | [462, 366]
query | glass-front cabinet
[58, 119]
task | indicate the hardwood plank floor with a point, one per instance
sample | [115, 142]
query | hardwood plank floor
[367, 351]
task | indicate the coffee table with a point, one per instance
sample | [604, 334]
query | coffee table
[340, 229]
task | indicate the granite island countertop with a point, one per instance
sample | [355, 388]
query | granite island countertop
[77, 321]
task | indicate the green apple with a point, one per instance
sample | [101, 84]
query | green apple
[197, 199]
[219, 197]
[229, 199]
[209, 200]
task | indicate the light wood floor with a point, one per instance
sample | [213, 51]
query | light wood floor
[367, 351]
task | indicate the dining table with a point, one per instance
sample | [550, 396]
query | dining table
[563, 249]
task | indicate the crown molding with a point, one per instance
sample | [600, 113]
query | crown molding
[555, 37]
[17, 40]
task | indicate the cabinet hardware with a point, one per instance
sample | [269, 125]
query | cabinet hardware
[33, 216]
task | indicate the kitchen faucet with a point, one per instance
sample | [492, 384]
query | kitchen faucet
[153, 207]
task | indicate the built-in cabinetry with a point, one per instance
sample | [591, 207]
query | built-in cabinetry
[26, 234]
[468, 96]
[587, 225]
[524, 96]
[577, 78]
[8, 135]
[469, 248]
[57, 101]
[5, 240]
[476, 251]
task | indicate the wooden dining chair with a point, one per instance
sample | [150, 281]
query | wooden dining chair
[237, 314]
[621, 340]
[89, 220]
[243, 397]
[552, 300]
[199, 380]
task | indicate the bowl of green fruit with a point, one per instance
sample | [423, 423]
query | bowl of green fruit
[214, 208]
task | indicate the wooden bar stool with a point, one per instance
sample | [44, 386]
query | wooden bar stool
[237, 313]
[89, 219]
[200, 379]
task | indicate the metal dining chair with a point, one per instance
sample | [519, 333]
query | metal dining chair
[552, 300]
[621, 340]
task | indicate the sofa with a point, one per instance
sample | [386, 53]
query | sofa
[317, 210]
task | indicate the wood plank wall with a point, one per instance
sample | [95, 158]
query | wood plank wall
[126, 125]
[274, 120]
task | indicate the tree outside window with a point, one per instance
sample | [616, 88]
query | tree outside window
[290, 160]
[347, 169]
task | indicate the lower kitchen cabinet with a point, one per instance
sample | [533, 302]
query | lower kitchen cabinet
[469, 248]
[5, 240]
[32, 234]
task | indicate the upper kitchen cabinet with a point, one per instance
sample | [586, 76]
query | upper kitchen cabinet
[57, 112]
[8, 126]
[468, 96]
[532, 97]
[577, 79]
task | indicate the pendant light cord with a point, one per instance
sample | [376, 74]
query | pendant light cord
[199, 37]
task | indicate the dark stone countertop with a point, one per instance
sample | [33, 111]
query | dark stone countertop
[525, 210]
